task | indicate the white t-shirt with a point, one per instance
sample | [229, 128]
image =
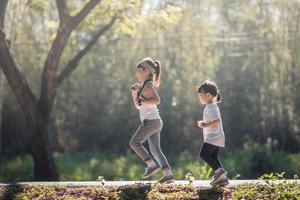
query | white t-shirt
[213, 135]
[147, 111]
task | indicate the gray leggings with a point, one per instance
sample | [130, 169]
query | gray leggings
[149, 130]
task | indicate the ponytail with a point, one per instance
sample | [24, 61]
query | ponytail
[219, 97]
[157, 72]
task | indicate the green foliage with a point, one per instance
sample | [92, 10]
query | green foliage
[164, 20]
[18, 169]
[270, 188]
[38, 6]
[89, 165]
[187, 163]
[92, 166]
[84, 166]
[255, 160]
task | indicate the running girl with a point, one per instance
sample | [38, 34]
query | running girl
[146, 99]
[214, 138]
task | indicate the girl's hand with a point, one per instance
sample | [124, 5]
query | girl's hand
[201, 124]
[138, 101]
[135, 87]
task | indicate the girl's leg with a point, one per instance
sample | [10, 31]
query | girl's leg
[206, 154]
[220, 176]
[215, 156]
[154, 145]
[141, 135]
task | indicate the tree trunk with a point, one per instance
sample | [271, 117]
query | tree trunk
[3, 5]
[1, 105]
[44, 165]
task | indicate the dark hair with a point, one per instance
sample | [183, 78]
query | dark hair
[212, 88]
[156, 66]
[157, 72]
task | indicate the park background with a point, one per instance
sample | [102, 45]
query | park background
[249, 48]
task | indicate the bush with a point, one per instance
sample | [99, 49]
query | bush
[18, 169]
[87, 166]
[256, 160]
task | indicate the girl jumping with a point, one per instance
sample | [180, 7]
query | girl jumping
[146, 99]
[214, 138]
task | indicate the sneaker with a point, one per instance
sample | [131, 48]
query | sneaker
[223, 182]
[167, 179]
[219, 175]
[150, 171]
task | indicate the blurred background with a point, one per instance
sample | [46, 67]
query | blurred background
[249, 48]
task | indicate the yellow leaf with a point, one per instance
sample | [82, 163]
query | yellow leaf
[52, 24]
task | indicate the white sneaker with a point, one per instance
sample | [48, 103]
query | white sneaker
[219, 175]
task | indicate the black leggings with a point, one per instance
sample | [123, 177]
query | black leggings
[210, 154]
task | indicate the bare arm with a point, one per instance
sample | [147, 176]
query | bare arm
[134, 100]
[134, 89]
[213, 123]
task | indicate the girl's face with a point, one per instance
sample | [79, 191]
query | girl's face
[205, 98]
[142, 73]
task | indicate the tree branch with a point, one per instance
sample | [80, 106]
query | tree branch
[48, 89]
[75, 20]
[73, 63]
[16, 80]
[62, 10]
